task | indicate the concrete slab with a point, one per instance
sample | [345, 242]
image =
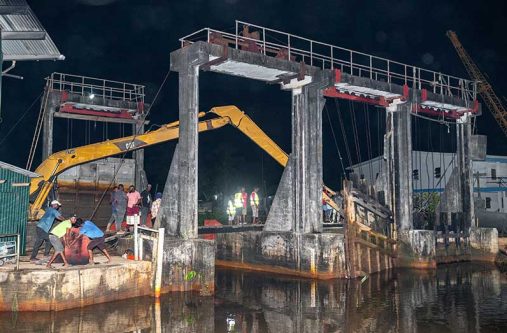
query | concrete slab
[35, 288]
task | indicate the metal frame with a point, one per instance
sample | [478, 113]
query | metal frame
[107, 89]
[18, 242]
[326, 56]
[158, 241]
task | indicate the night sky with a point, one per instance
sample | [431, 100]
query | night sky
[131, 41]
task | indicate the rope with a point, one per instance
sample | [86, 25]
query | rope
[136, 133]
[334, 138]
[20, 118]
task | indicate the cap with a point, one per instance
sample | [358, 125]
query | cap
[55, 202]
[158, 195]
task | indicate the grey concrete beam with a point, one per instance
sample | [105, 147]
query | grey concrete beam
[140, 174]
[464, 165]
[180, 194]
[399, 163]
[297, 206]
[52, 103]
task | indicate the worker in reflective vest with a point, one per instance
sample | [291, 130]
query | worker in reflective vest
[254, 204]
[231, 210]
[238, 204]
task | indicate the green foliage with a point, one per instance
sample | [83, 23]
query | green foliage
[190, 276]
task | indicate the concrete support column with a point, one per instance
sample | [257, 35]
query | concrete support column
[140, 174]
[297, 205]
[178, 211]
[399, 163]
[464, 165]
[52, 103]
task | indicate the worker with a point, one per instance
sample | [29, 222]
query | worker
[244, 202]
[146, 201]
[231, 210]
[155, 207]
[96, 236]
[56, 236]
[254, 204]
[238, 204]
[42, 230]
[133, 202]
[113, 209]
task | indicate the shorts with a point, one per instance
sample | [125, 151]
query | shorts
[255, 211]
[231, 218]
[243, 211]
[56, 242]
[133, 219]
[99, 243]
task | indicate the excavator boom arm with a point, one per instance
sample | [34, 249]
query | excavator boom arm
[63, 160]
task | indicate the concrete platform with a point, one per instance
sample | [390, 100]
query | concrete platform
[36, 288]
[320, 256]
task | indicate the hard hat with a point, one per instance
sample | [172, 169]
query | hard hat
[55, 202]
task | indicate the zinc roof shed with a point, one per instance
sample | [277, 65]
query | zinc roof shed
[14, 201]
[23, 36]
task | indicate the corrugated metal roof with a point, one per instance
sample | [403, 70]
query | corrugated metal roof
[16, 169]
[24, 20]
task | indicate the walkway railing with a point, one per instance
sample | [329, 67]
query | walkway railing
[94, 87]
[251, 37]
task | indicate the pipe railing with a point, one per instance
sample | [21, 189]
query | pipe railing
[88, 86]
[327, 56]
[156, 236]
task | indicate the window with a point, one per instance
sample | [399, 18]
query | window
[438, 172]
[493, 174]
[415, 174]
[488, 202]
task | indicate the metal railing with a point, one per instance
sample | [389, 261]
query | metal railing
[94, 87]
[326, 56]
[157, 237]
[5, 254]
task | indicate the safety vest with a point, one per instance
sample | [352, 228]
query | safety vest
[231, 210]
[238, 200]
[254, 199]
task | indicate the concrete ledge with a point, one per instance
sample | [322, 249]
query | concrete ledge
[484, 244]
[416, 249]
[54, 290]
[181, 258]
[320, 256]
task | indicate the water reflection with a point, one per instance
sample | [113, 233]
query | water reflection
[455, 298]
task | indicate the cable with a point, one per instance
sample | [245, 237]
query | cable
[38, 128]
[344, 134]
[136, 133]
[334, 138]
[21, 118]
[356, 136]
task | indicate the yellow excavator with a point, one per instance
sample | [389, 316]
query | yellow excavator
[227, 115]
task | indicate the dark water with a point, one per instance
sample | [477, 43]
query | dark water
[454, 298]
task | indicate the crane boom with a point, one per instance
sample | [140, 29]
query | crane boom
[57, 163]
[485, 89]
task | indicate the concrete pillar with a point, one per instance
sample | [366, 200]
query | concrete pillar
[179, 204]
[52, 104]
[297, 205]
[399, 163]
[464, 165]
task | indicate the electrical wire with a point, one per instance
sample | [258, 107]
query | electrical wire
[13, 127]
[344, 134]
